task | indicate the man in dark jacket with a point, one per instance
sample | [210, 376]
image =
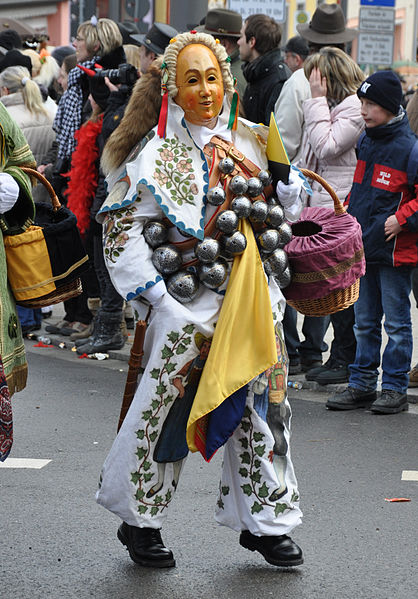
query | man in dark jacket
[264, 70]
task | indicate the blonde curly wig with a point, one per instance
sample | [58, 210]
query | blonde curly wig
[184, 39]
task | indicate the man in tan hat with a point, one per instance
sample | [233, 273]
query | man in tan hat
[326, 28]
[225, 25]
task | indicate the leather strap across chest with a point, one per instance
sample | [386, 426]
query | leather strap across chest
[215, 152]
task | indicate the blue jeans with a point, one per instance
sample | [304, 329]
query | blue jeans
[384, 290]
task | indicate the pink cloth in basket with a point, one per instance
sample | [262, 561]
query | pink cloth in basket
[326, 261]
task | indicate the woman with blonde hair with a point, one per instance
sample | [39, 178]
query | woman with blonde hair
[133, 55]
[23, 99]
[333, 124]
[45, 69]
[95, 39]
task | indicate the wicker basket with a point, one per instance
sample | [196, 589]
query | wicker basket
[339, 299]
[66, 284]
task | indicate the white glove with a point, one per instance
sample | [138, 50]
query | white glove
[9, 192]
[288, 194]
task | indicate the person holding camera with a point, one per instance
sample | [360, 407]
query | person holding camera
[86, 193]
[95, 40]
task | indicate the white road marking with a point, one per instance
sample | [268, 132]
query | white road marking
[410, 475]
[24, 463]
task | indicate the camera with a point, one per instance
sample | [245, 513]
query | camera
[126, 74]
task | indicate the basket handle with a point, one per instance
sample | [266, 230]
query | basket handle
[338, 207]
[56, 205]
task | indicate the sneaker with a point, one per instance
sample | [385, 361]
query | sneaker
[413, 377]
[73, 327]
[85, 333]
[351, 399]
[333, 376]
[390, 402]
[56, 328]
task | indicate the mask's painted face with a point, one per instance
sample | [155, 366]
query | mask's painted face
[200, 84]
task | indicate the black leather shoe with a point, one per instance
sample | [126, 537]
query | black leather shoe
[278, 551]
[351, 399]
[145, 546]
[309, 364]
[295, 366]
[312, 373]
[333, 376]
[390, 402]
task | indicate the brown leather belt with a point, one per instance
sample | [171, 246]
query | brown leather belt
[243, 166]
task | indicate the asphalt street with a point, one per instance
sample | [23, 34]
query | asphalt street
[56, 542]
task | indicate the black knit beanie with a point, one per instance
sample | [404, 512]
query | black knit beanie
[10, 39]
[384, 88]
[15, 58]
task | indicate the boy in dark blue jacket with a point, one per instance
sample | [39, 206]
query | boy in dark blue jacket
[385, 203]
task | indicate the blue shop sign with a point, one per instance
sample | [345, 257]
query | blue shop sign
[377, 3]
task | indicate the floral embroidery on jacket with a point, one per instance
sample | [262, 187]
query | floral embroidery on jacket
[175, 171]
[115, 226]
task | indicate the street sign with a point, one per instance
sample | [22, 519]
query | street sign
[378, 20]
[377, 29]
[302, 17]
[375, 49]
[377, 3]
[276, 9]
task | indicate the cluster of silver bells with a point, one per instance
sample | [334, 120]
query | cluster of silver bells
[212, 254]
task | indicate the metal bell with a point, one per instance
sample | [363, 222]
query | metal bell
[234, 245]
[265, 177]
[272, 201]
[255, 187]
[183, 286]
[258, 211]
[285, 232]
[269, 240]
[276, 263]
[226, 165]
[155, 233]
[216, 196]
[207, 250]
[227, 221]
[285, 278]
[167, 259]
[214, 274]
[275, 216]
[241, 205]
[238, 185]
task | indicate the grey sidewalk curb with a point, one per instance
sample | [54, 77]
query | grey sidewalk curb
[124, 354]
[330, 389]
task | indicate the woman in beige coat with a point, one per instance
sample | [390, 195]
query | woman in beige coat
[23, 100]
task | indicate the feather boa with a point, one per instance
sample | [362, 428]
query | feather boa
[84, 173]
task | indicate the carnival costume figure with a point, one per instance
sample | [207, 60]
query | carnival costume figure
[192, 229]
[17, 211]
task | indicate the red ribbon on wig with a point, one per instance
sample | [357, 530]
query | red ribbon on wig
[162, 121]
